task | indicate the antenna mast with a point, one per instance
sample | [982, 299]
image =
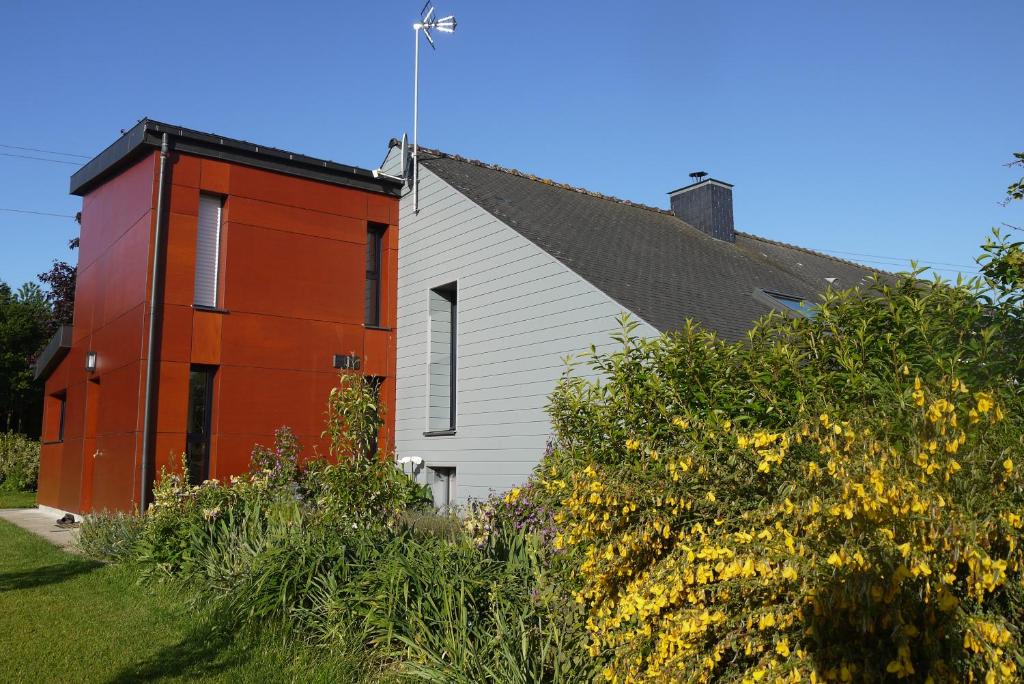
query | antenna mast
[426, 23]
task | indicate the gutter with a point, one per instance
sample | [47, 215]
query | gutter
[149, 420]
[146, 136]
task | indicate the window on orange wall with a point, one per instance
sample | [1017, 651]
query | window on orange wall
[63, 405]
[374, 258]
[208, 237]
[200, 410]
[55, 421]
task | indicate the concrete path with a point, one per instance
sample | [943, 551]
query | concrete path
[43, 523]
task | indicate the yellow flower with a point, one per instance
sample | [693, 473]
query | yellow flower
[1008, 466]
[985, 402]
[947, 601]
[632, 444]
[680, 422]
[711, 497]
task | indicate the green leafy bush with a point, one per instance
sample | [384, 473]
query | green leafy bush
[19, 462]
[342, 553]
[110, 536]
[839, 498]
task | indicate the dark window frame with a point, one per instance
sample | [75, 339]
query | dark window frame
[62, 404]
[63, 399]
[199, 437]
[375, 233]
[451, 292]
[792, 305]
[449, 475]
[218, 285]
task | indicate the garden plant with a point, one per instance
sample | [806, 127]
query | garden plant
[838, 497]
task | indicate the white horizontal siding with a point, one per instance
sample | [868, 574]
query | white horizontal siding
[520, 313]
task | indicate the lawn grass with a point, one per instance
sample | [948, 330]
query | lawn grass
[10, 499]
[64, 618]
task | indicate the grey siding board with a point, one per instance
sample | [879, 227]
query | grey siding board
[520, 312]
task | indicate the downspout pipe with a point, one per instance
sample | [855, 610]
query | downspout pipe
[155, 311]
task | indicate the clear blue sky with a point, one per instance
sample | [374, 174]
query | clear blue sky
[870, 127]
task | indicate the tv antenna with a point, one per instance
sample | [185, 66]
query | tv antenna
[427, 23]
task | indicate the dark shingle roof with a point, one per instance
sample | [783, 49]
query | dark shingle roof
[646, 259]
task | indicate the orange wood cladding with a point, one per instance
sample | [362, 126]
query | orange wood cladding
[292, 270]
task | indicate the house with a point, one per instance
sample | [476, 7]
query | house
[502, 274]
[268, 270]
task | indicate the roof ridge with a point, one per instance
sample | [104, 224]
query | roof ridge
[808, 251]
[618, 200]
[544, 181]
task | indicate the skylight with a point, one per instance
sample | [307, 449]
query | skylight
[801, 306]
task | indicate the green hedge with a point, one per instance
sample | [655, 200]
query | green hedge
[19, 462]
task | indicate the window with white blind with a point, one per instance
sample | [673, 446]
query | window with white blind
[442, 361]
[208, 250]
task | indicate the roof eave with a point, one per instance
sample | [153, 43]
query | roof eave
[56, 349]
[147, 134]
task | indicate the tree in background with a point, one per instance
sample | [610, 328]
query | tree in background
[28, 318]
[25, 318]
[60, 281]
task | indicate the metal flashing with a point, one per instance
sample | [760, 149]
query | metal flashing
[145, 137]
[56, 349]
[706, 181]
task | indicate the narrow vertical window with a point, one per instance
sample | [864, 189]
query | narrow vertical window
[56, 407]
[442, 487]
[442, 361]
[62, 408]
[374, 243]
[208, 250]
[200, 408]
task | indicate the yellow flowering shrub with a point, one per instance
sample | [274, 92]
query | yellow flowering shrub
[838, 499]
[828, 549]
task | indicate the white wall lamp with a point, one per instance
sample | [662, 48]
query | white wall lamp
[90, 362]
[415, 461]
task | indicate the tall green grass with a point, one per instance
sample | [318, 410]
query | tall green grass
[338, 557]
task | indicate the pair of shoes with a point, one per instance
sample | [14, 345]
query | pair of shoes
[67, 520]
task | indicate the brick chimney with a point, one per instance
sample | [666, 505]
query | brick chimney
[706, 204]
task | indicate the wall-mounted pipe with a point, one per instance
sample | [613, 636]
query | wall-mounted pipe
[155, 311]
